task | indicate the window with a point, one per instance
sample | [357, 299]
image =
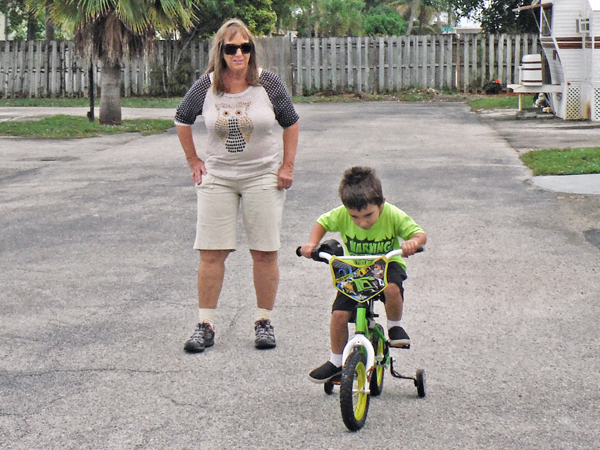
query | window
[583, 25]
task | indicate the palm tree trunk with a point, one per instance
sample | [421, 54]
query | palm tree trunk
[50, 29]
[110, 94]
[413, 14]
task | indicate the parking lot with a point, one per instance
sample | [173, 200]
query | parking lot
[97, 280]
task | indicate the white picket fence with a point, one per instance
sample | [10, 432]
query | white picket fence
[355, 64]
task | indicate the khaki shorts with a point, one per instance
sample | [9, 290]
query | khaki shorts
[219, 201]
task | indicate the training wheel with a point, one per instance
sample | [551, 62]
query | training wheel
[420, 382]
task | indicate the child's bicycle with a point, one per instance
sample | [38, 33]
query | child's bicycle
[366, 356]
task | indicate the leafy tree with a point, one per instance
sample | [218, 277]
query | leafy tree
[500, 17]
[384, 21]
[112, 31]
[20, 20]
[497, 16]
[342, 17]
[285, 10]
[328, 18]
[424, 13]
[209, 15]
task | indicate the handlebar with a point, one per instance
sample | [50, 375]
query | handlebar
[326, 257]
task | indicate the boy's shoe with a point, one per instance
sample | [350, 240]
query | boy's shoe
[324, 373]
[265, 334]
[398, 337]
[204, 336]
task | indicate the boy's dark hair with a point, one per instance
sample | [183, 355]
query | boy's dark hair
[360, 187]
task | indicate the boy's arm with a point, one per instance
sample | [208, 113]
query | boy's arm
[410, 247]
[316, 235]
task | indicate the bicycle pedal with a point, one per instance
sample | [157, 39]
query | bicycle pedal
[337, 380]
[405, 347]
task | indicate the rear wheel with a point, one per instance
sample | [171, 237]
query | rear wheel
[328, 387]
[380, 356]
[420, 382]
[354, 399]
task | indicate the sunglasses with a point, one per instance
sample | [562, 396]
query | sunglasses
[231, 49]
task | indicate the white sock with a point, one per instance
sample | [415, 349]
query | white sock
[393, 323]
[207, 315]
[335, 359]
[263, 314]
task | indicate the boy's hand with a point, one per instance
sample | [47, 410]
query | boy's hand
[410, 247]
[307, 250]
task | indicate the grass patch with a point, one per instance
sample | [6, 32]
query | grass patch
[69, 127]
[126, 102]
[568, 161]
[407, 95]
[499, 102]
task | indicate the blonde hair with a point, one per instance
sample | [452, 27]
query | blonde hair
[217, 64]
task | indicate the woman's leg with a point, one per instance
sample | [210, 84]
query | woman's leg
[266, 278]
[211, 272]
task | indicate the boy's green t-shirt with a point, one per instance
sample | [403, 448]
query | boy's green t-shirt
[393, 223]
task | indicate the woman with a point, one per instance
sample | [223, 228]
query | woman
[244, 166]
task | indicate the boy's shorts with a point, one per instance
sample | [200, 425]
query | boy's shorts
[219, 200]
[395, 274]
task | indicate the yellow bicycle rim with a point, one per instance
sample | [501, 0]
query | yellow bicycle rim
[360, 391]
[379, 364]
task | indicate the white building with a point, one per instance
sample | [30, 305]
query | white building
[570, 37]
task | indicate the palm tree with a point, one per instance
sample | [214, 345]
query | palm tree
[425, 11]
[111, 31]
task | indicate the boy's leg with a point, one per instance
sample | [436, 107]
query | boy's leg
[342, 311]
[394, 305]
[338, 331]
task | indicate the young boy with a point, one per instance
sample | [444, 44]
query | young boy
[366, 222]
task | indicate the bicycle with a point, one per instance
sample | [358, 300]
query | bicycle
[366, 355]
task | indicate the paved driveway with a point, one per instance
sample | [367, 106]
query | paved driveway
[97, 282]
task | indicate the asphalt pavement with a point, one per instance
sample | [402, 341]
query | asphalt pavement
[97, 282]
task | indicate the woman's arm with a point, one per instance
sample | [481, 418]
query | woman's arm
[187, 142]
[285, 176]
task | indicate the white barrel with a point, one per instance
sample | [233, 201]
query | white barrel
[531, 70]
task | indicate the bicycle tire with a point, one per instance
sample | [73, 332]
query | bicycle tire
[420, 383]
[380, 358]
[354, 399]
[328, 387]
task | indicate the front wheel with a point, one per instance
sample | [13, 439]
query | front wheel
[380, 347]
[354, 397]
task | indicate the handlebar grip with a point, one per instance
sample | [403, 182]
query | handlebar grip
[421, 249]
[314, 255]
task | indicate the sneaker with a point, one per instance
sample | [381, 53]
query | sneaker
[204, 336]
[265, 335]
[398, 337]
[324, 373]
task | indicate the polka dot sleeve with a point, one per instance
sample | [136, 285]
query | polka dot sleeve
[285, 112]
[193, 102]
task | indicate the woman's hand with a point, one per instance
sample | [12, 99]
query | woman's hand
[198, 169]
[285, 176]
